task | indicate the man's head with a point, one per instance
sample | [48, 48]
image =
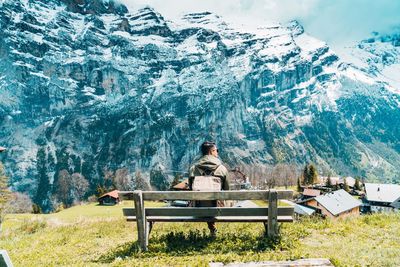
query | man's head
[209, 148]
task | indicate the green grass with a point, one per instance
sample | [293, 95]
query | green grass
[91, 235]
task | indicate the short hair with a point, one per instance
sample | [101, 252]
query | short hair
[206, 147]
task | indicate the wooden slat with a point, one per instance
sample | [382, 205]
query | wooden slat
[212, 219]
[208, 211]
[222, 195]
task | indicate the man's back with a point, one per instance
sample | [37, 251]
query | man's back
[209, 165]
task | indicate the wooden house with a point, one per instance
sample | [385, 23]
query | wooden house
[310, 193]
[109, 199]
[184, 185]
[334, 205]
[381, 197]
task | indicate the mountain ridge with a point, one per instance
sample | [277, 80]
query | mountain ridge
[102, 91]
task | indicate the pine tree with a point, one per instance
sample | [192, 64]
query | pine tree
[329, 181]
[299, 188]
[336, 186]
[306, 175]
[36, 209]
[313, 175]
[357, 185]
[42, 197]
[5, 194]
[346, 186]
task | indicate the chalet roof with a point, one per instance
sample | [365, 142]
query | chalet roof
[338, 201]
[311, 192]
[184, 185]
[396, 203]
[113, 194]
[299, 209]
[303, 210]
[382, 192]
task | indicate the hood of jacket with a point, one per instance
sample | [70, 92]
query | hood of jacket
[208, 163]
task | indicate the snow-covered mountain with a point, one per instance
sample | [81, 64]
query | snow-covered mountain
[87, 86]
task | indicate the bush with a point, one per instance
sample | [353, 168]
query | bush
[32, 226]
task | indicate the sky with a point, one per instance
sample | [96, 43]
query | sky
[337, 22]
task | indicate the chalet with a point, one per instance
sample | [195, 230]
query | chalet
[381, 197]
[300, 210]
[238, 179]
[337, 204]
[109, 199]
[310, 193]
[184, 185]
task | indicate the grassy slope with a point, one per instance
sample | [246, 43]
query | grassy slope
[91, 235]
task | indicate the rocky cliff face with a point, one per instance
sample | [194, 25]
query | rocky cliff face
[87, 86]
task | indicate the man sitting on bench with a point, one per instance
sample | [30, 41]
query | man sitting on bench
[208, 174]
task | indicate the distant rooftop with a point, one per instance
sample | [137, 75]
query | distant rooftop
[338, 201]
[303, 210]
[382, 192]
[113, 194]
[311, 192]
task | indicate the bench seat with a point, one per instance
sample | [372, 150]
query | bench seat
[210, 219]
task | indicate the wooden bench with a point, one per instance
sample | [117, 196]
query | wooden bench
[145, 217]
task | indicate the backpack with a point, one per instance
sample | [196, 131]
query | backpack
[206, 182]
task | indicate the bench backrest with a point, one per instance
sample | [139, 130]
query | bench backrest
[204, 195]
[270, 196]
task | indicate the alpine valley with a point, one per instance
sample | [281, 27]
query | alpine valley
[88, 86]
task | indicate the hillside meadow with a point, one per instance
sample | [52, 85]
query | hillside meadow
[92, 235]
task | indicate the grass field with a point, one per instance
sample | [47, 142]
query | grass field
[91, 235]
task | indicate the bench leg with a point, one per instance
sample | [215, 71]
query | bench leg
[141, 220]
[273, 214]
[149, 226]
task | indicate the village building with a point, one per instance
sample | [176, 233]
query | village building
[349, 180]
[324, 179]
[109, 199]
[184, 185]
[300, 210]
[381, 197]
[334, 205]
[336, 180]
[310, 193]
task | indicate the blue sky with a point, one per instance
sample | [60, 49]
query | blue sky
[338, 22]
